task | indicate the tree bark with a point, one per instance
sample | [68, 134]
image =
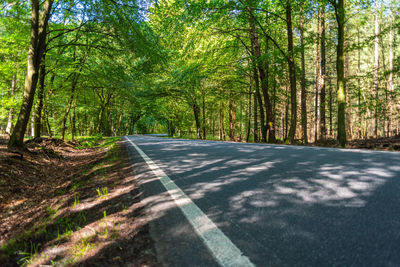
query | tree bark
[359, 134]
[341, 84]
[204, 114]
[255, 124]
[39, 22]
[317, 79]
[258, 103]
[134, 120]
[39, 100]
[221, 122]
[390, 78]
[376, 68]
[231, 123]
[292, 73]
[303, 81]
[196, 112]
[264, 84]
[11, 111]
[322, 78]
[249, 116]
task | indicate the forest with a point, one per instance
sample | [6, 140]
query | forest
[77, 75]
[275, 71]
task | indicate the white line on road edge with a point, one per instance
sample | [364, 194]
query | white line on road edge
[222, 248]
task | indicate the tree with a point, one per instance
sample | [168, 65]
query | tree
[36, 50]
[341, 83]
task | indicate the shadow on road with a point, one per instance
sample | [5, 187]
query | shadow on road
[286, 205]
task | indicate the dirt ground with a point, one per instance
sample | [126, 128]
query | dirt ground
[382, 143]
[64, 206]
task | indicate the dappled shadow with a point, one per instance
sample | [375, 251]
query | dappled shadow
[288, 205]
[89, 224]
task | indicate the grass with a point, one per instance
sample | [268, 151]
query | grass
[29, 257]
[80, 249]
[103, 192]
[96, 141]
[76, 201]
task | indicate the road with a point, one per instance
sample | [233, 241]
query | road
[279, 205]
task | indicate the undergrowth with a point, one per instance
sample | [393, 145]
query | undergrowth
[57, 227]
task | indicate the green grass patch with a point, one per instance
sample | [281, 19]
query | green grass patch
[96, 141]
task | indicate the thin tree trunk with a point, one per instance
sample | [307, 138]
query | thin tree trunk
[39, 100]
[33, 123]
[255, 111]
[390, 79]
[330, 109]
[303, 81]
[341, 85]
[11, 111]
[317, 83]
[36, 48]
[292, 74]
[322, 78]
[359, 85]
[73, 121]
[376, 67]
[221, 122]
[264, 83]
[249, 117]
[286, 114]
[196, 112]
[231, 123]
[49, 131]
[204, 114]
[70, 101]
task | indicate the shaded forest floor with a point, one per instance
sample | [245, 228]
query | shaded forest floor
[382, 143]
[71, 203]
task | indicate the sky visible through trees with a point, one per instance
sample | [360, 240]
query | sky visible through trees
[256, 71]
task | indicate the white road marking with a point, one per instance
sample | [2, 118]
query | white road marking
[221, 247]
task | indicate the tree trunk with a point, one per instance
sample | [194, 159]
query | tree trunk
[39, 100]
[255, 124]
[221, 122]
[73, 121]
[264, 85]
[134, 120]
[10, 112]
[49, 132]
[317, 80]
[231, 124]
[390, 78]
[341, 99]
[196, 112]
[330, 108]
[303, 81]
[322, 78]
[249, 116]
[292, 74]
[36, 48]
[286, 113]
[204, 114]
[71, 99]
[32, 123]
[376, 67]
[258, 103]
[359, 134]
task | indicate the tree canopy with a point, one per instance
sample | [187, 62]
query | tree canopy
[262, 71]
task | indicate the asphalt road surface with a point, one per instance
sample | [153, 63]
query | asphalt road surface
[279, 205]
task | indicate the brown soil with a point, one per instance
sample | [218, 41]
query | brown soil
[71, 207]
